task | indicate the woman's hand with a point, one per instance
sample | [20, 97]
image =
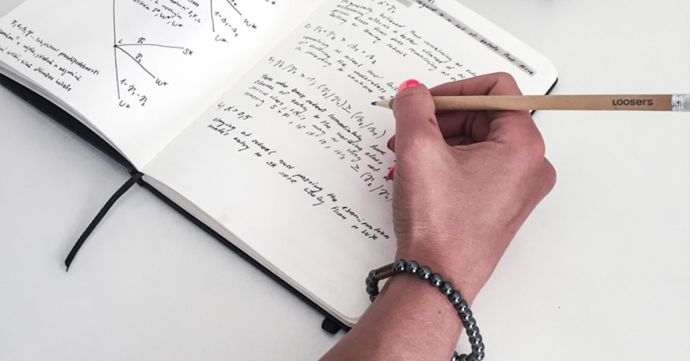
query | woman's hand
[465, 180]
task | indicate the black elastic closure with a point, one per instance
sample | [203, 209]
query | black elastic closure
[330, 325]
[136, 177]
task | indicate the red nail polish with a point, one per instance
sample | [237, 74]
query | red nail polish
[408, 84]
[391, 172]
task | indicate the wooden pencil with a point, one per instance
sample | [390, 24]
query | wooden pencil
[648, 102]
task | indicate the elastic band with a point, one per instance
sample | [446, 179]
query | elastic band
[136, 177]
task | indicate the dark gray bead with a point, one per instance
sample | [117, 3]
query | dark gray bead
[399, 265]
[475, 328]
[462, 307]
[468, 321]
[436, 280]
[447, 288]
[476, 339]
[471, 357]
[465, 319]
[424, 272]
[412, 267]
[479, 356]
[455, 357]
[472, 324]
[455, 298]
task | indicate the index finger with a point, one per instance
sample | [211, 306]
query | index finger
[511, 126]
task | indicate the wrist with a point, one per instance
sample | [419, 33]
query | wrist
[461, 270]
[449, 294]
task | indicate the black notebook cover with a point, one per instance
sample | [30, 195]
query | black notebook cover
[330, 324]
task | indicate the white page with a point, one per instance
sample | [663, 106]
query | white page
[292, 161]
[139, 71]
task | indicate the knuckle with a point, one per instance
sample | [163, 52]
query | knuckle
[502, 75]
[550, 175]
[530, 150]
[505, 77]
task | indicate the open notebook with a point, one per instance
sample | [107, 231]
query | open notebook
[255, 116]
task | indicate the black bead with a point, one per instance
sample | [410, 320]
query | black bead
[424, 272]
[436, 280]
[476, 338]
[468, 321]
[399, 265]
[412, 267]
[447, 288]
[462, 307]
[455, 298]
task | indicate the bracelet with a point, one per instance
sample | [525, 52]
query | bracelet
[435, 279]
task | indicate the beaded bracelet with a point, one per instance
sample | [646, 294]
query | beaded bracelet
[435, 279]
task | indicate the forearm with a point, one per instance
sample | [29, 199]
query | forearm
[410, 320]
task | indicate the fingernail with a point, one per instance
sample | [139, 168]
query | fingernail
[391, 172]
[411, 83]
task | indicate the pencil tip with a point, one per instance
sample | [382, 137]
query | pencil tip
[383, 103]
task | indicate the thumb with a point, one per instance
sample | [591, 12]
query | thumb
[415, 120]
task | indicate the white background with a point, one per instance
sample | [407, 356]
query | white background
[600, 271]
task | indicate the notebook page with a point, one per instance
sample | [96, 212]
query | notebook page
[138, 71]
[293, 160]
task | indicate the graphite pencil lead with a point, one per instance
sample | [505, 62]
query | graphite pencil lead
[384, 103]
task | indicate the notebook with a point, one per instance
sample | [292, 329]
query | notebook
[255, 117]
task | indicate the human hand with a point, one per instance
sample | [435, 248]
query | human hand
[465, 180]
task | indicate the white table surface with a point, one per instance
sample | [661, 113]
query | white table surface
[601, 271]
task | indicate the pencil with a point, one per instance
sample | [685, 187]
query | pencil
[648, 102]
